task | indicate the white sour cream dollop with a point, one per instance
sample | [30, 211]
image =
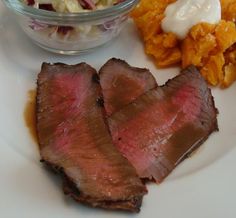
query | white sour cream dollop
[182, 15]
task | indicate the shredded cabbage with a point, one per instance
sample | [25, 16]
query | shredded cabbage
[75, 32]
[73, 6]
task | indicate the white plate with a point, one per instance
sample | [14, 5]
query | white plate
[202, 186]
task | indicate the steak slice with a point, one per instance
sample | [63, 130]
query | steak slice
[162, 127]
[75, 141]
[122, 84]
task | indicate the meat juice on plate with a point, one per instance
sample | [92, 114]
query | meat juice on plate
[30, 115]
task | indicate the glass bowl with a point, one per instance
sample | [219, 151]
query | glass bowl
[71, 33]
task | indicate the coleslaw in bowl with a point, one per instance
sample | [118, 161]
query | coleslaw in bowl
[55, 28]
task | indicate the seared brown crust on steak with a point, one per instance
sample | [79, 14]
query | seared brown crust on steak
[132, 204]
[122, 84]
[162, 127]
[74, 139]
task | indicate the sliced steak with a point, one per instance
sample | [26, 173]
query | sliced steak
[75, 141]
[162, 127]
[122, 84]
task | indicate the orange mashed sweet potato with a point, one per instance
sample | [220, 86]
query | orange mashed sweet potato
[212, 48]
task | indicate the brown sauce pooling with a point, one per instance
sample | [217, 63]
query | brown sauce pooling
[30, 115]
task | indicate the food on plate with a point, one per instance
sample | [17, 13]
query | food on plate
[206, 43]
[75, 142]
[228, 10]
[103, 155]
[122, 83]
[163, 126]
[182, 15]
[230, 66]
[205, 47]
[163, 46]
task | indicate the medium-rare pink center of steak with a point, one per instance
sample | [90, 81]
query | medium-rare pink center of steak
[74, 138]
[122, 84]
[160, 128]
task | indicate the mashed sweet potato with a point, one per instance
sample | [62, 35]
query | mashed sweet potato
[205, 47]
[228, 10]
[164, 47]
[212, 48]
